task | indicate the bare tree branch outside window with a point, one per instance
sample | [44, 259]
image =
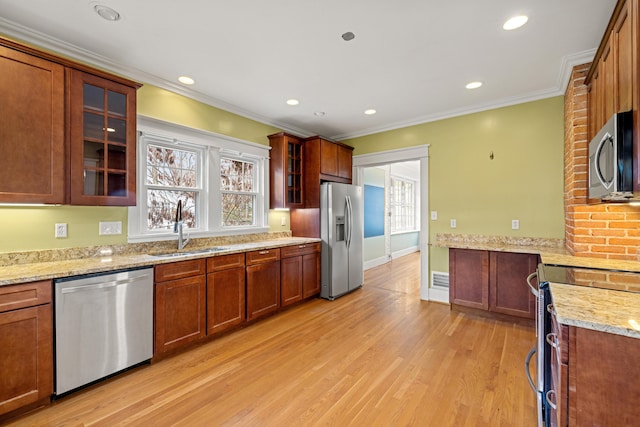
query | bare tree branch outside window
[237, 183]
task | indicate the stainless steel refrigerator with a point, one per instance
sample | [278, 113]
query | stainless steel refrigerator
[342, 233]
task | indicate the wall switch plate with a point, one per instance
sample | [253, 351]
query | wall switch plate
[110, 227]
[515, 224]
[283, 220]
[434, 215]
[61, 231]
[453, 223]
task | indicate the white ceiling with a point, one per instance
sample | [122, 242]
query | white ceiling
[410, 59]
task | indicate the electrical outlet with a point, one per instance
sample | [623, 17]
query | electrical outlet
[453, 223]
[283, 220]
[61, 231]
[515, 224]
[434, 215]
[110, 227]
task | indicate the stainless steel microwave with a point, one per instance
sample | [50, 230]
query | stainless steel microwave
[611, 160]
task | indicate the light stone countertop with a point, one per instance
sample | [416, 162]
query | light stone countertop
[30, 272]
[605, 310]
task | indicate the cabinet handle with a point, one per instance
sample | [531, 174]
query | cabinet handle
[302, 246]
[552, 339]
[550, 309]
[554, 405]
[263, 252]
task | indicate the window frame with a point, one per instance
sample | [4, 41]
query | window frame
[212, 147]
[393, 204]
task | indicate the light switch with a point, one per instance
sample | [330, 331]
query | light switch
[453, 223]
[434, 215]
[515, 224]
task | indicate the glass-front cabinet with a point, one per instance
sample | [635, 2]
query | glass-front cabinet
[286, 171]
[102, 141]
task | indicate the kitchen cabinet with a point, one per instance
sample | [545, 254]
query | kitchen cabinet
[286, 171]
[180, 304]
[492, 281]
[102, 141]
[32, 152]
[225, 292]
[263, 283]
[26, 347]
[324, 161]
[596, 377]
[300, 273]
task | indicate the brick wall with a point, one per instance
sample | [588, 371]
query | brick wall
[605, 230]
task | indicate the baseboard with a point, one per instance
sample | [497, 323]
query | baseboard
[403, 252]
[375, 262]
[439, 294]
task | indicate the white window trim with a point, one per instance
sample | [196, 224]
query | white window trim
[416, 218]
[212, 146]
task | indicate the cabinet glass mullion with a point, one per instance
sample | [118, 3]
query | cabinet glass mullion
[294, 173]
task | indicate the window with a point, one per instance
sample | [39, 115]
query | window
[220, 181]
[402, 202]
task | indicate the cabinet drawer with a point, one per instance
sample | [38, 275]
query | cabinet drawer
[266, 255]
[307, 248]
[180, 269]
[224, 262]
[25, 295]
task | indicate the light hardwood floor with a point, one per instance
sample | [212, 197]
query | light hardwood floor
[376, 357]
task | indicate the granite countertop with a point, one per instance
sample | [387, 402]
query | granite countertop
[605, 310]
[33, 271]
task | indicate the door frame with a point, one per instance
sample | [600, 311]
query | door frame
[421, 153]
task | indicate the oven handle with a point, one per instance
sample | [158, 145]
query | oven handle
[527, 362]
[530, 277]
[553, 405]
[552, 339]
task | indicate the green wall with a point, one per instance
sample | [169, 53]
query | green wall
[523, 181]
[32, 228]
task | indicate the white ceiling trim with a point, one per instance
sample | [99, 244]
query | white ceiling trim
[44, 41]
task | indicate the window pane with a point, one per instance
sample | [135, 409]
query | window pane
[161, 208]
[236, 175]
[171, 168]
[237, 209]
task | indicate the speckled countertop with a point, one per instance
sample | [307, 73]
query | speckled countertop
[21, 269]
[526, 245]
[604, 310]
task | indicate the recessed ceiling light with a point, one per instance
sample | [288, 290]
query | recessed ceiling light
[292, 101]
[473, 85]
[348, 36]
[319, 113]
[370, 112]
[515, 22]
[106, 12]
[186, 80]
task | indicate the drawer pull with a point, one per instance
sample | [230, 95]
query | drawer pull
[263, 252]
[554, 405]
[552, 339]
[302, 246]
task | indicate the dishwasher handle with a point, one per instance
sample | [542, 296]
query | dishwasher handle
[527, 362]
[101, 285]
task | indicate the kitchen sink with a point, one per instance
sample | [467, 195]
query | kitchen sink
[188, 253]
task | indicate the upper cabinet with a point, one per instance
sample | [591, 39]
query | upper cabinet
[102, 141]
[324, 161]
[285, 172]
[32, 139]
[68, 134]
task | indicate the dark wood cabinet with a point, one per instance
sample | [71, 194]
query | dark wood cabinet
[32, 148]
[324, 161]
[286, 171]
[102, 141]
[26, 347]
[493, 281]
[300, 273]
[180, 304]
[311, 273]
[263, 283]
[225, 292]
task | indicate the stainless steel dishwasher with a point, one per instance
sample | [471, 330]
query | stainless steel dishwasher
[103, 323]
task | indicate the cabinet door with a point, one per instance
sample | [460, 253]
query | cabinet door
[263, 289]
[180, 316]
[32, 159]
[508, 290]
[286, 171]
[102, 141]
[310, 275]
[291, 280]
[623, 55]
[328, 158]
[469, 274]
[344, 162]
[26, 357]
[225, 299]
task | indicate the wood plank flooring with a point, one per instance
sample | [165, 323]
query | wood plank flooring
[376, 357]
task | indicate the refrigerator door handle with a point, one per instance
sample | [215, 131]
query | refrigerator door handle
[349, 221]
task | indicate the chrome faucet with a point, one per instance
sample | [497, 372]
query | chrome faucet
[177, 227]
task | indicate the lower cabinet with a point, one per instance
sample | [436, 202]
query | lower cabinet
[225, 292]
[180, 304]
[300, 273]
[493, 281]
[263, 283]
[26, 346]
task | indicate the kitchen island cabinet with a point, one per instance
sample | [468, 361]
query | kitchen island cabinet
[225, 292]
[263, 283]
[492, 281]
[26, 346]
[180, 304]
